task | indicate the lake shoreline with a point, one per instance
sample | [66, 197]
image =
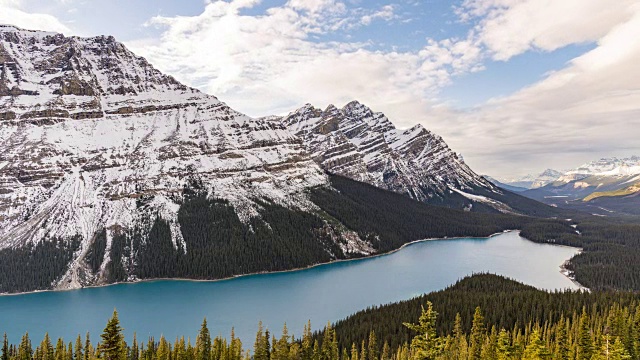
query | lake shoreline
[563, 269]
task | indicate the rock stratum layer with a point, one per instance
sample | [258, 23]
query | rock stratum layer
[364, 145]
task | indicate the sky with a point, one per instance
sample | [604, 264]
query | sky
[515, 86]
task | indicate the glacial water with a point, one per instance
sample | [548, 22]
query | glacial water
[320, 294]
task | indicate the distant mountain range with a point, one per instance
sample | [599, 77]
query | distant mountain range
[604, 187]
[534, 181]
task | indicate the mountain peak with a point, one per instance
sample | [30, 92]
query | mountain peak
[364, 145]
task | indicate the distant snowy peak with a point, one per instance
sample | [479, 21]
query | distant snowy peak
[356, 142]
[531, 181]
[548, 176]
[604, 167]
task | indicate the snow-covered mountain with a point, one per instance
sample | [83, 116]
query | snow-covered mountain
[534, 181]
[604, 186]
[364, 145]
[603, 167]
[87, 128]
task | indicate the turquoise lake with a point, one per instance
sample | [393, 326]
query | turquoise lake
[320, 294]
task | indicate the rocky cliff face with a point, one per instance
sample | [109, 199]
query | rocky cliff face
[88, 129]
[364, 145]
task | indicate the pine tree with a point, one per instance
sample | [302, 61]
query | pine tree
[134, 351]
[372, 349]
[180, 349]
[203, 342]
[163, 352]
[386, 352]
[504, 348]
[5, 347]
[460, 346]
[562, 340]
[477, 333]
[111, 345]
[618, 351]
[259, 351]
[354, 352]
[490, 346]
[584, 349]
[25, 351]
[69, 351]
[87, 347]
[343, 356]
[47, 348]
[306, 346]
[425, 345]
[536, 349]
[266, 345]
[281, 347]
[60, 353]
[78, 354]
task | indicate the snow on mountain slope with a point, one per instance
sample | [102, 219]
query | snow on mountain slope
[603, 167]
[364, 145]
[548, 176]
[87, 128]
[534, 181]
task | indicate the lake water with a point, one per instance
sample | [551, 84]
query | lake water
[324, 293]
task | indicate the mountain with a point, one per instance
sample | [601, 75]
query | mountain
[95, 143]
[365, 146]
[534, 181]
[605, 187]
[111, 171]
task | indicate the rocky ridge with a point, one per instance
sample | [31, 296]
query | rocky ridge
[364, 145]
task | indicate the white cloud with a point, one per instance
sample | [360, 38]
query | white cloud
[589, 109]
[512, 27]
[386, 13]
[11, 13]
[271, 64]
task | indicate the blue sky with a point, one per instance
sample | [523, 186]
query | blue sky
[516, 86]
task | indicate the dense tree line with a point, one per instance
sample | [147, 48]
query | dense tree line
[504, 301]
[219, 244]
[395, 219]
[586, 327]
[35, 267]
[611, 256]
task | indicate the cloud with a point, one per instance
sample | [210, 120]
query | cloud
[272, 63]
[589, 109]
[512, 27]
[386, 13]
[11, 13]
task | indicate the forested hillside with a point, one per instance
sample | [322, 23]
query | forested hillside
[611, 256]
[505, 304]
